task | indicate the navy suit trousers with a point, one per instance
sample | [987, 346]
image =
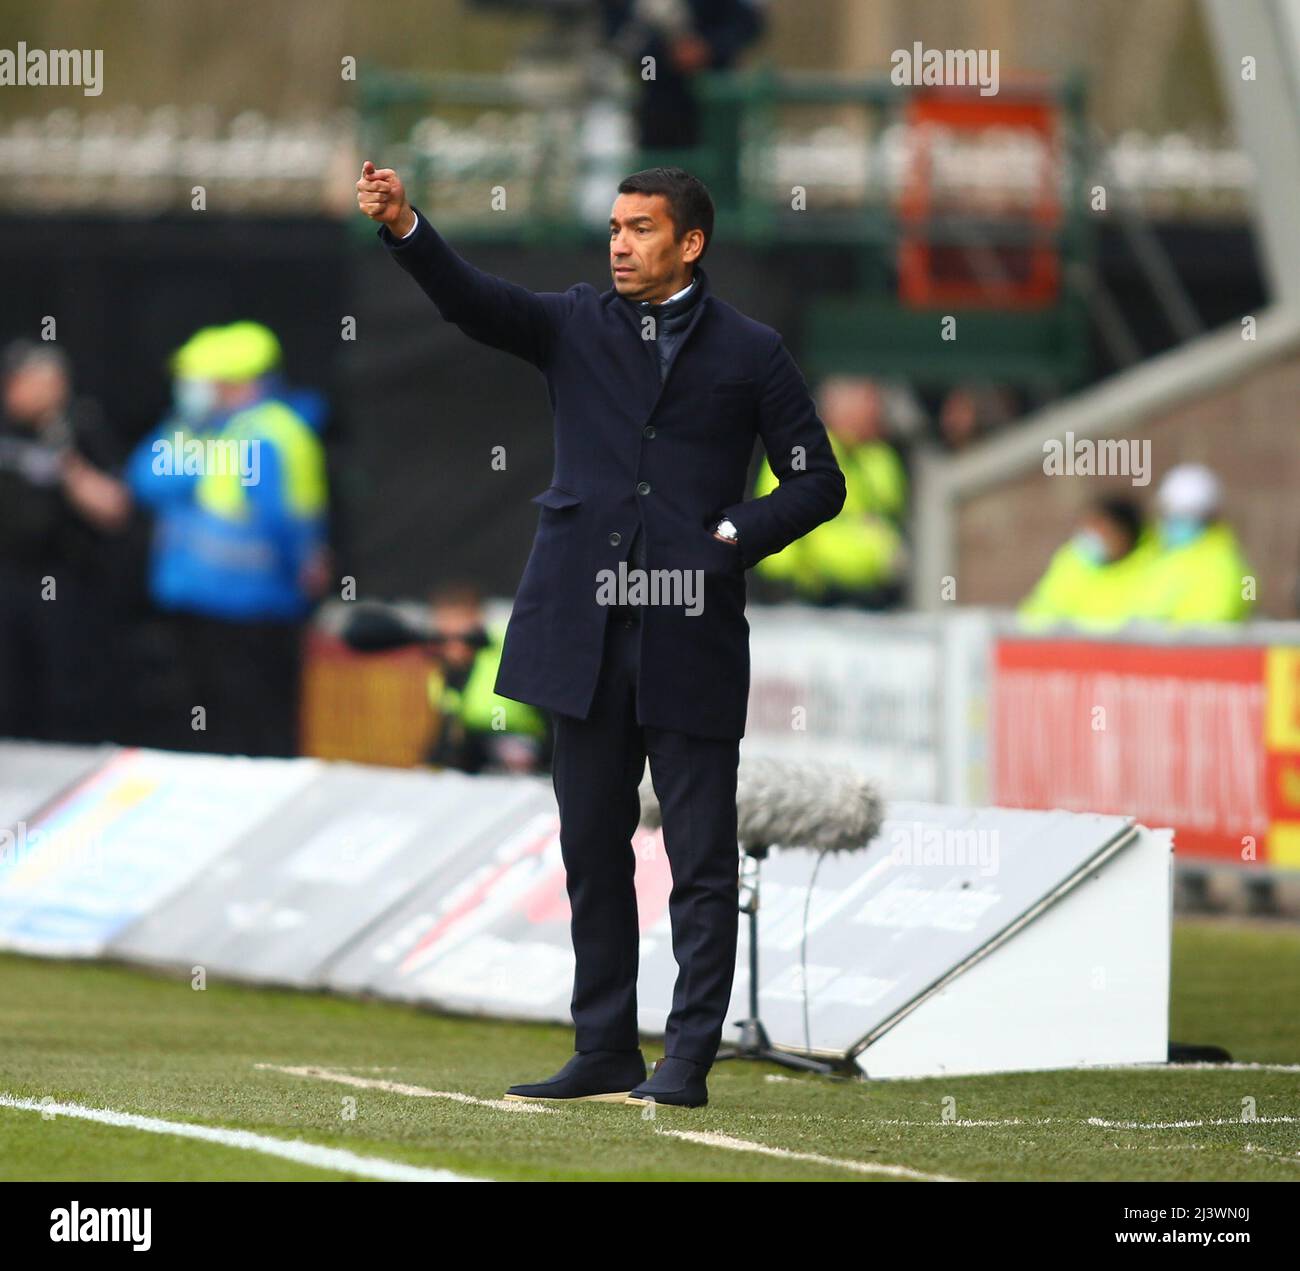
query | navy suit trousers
[597, 768]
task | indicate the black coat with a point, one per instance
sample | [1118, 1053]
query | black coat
[673, 456]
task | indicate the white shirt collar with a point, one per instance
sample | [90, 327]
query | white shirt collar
[645, 306]
[679, 294]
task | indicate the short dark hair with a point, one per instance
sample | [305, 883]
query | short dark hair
[689, 202]
[18, 355]
[1121, 512]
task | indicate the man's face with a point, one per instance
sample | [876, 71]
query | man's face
[646, 262]
[455, 622]
[853, 409]
[958, 417]
[232, 394]
[1112, 535]
[35, 393]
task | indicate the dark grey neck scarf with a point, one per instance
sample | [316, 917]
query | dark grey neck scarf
[672, 317]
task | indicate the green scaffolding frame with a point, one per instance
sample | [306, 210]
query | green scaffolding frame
[532, 158]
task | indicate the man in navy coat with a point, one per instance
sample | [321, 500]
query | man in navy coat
[629, 624]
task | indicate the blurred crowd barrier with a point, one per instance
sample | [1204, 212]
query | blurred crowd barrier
[129, 158]
[1197, 730]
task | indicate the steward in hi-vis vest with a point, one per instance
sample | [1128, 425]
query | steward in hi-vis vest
[235, 479]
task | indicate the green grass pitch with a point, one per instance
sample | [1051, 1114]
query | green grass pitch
[110, 1036]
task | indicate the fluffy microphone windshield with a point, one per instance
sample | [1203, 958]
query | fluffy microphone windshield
[788, 803]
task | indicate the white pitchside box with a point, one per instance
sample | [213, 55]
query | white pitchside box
[965, 940]
[1080, 978]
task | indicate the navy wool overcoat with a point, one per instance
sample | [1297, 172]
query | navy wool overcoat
[671, 457]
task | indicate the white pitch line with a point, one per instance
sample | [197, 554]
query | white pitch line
[1293, 1159]
[398, 1087]
[969, 1125]
[1095, 1121]
[330, 1158]
[1186, 1125]
[1198, 1067]
[713, 1139]
[1160, 1147]
[708, 1140]
[1086, 1068]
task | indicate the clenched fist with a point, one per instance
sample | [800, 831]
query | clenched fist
[382, 197]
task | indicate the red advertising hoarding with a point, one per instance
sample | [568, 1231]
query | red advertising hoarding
[1174, 736]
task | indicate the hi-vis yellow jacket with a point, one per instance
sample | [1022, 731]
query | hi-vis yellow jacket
[478, 706]
[860, 547]
[1205, 580]
[1081, 591]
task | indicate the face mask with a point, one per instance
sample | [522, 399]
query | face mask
[195, 399]
[1178, 531]
[1089, 545]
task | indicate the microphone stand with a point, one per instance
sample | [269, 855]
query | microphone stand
[754, 1042]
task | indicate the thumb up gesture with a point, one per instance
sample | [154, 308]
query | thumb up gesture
[382, 197]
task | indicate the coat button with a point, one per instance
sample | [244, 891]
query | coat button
[615, 539]
[643, 487]
[648, 430]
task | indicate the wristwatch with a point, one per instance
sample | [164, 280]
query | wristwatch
[727, 530]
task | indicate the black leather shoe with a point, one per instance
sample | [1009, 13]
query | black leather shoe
[676, 1082]
[603, 1076]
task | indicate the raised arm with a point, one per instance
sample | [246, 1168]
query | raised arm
[489, 309]
[812, 488]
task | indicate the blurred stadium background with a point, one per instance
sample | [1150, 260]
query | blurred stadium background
[1113, 232]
